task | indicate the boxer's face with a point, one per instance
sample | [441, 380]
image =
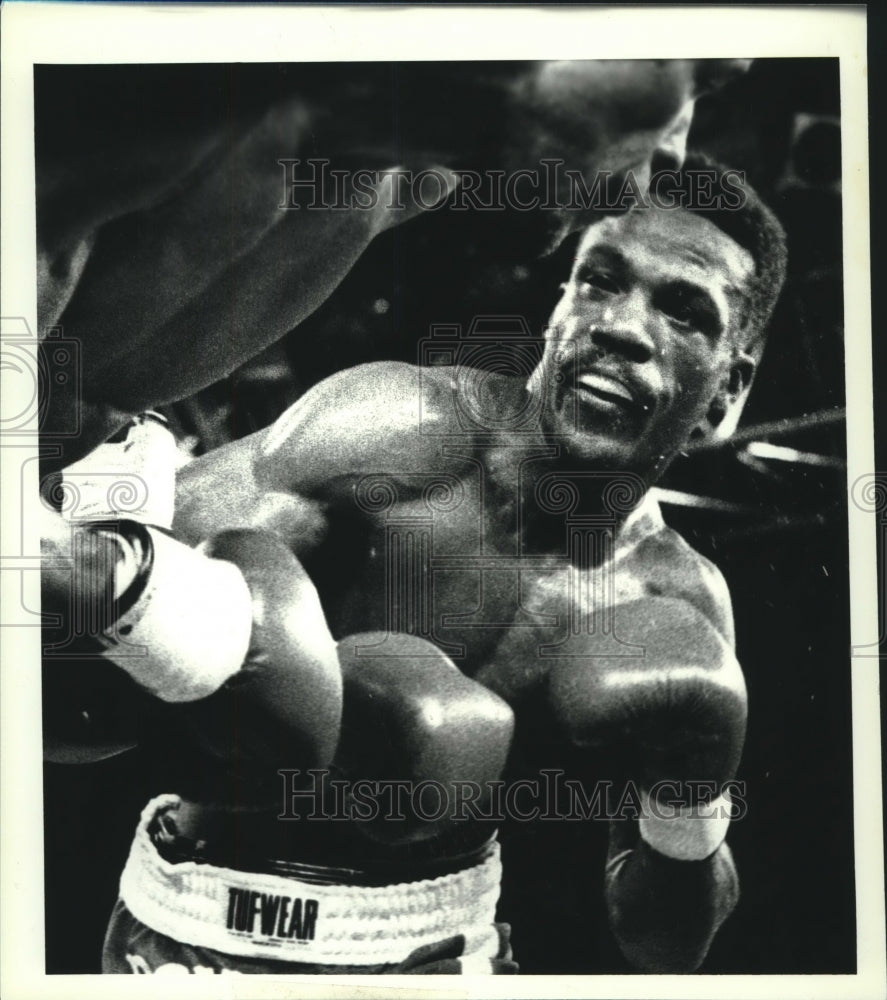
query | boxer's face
[649, 319]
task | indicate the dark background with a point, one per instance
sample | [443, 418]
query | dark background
[781, 544]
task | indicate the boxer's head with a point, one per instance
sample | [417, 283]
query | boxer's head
[588, 116]
[615, 115]
[639, 109]
[660, 328]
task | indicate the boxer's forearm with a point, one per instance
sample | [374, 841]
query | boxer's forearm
[665, 913]
[219, 491]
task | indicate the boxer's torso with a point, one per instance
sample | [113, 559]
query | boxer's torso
[438, 534]
[451, 528]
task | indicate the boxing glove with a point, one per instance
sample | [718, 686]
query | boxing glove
[91, 710]
[282, 706]
[675, 719]
[232, 638]
[411, 716]
[676, 713]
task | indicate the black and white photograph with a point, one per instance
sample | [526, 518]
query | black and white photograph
[440, 511]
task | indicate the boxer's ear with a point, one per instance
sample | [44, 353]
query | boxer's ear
[726, 408]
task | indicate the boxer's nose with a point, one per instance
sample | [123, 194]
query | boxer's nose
[623, 328]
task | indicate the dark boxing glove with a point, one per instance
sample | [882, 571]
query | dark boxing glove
[412, 716]
[678, 713]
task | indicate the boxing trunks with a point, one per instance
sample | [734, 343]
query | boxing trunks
[186, 916]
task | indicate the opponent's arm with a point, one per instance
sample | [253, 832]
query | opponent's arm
[678, 714]
[208, 228]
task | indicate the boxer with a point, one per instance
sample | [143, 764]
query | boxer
[160, 194]
[654, 342]
[132, 265]
[231, 643]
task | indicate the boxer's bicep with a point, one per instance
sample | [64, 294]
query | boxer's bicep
[356, 422]
[226, 494]
[384, 418]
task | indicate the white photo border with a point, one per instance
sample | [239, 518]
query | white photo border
[144, 33]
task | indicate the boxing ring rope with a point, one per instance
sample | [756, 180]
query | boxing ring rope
[774, 428]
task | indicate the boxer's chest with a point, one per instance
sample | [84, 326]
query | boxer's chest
[453, 567]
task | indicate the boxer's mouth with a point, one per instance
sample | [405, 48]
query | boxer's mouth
[607, 391]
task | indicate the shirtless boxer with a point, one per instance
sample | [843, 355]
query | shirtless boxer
[159, 191]
[132, 265]
[656, 337]
[231, 642]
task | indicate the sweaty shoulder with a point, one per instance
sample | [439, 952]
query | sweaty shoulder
[671, 568]
[385, 417]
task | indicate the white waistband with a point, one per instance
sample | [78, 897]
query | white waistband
[271, 916]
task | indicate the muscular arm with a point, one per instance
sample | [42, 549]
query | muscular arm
[370, 419]
[222, 490]
[284, 480]
[181, 245]
[164, 215]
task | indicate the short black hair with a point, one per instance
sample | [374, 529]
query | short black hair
[746, 219]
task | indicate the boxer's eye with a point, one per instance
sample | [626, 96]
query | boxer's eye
[689, 308]
[596, 283]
